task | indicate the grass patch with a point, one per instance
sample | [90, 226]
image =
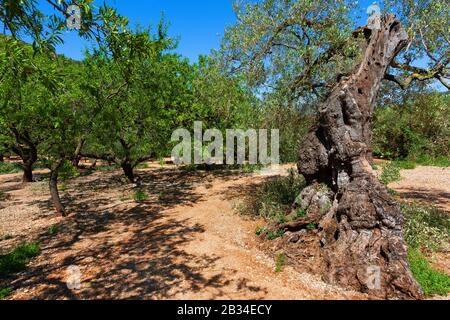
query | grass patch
[280, 262]
[16, 260]
[53, 230]
[442, 161]
[300, 213]
[405, 164]
[391, 173]
[311, 226]
[5, 292]
[260, 230]
[272, 235]
[432, 282]
[427, 228]
[142, 166]
[140, 195]
[63, 187]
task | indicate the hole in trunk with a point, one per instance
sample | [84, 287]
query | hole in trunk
[336, 235]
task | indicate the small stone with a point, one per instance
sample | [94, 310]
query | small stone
[295, 238]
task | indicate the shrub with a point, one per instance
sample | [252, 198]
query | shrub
[16, 260]
[274, 198]
[431, 281]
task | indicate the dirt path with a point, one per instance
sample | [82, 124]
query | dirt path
[184, 242]
[425, 185]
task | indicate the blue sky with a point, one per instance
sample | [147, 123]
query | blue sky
[198, 23]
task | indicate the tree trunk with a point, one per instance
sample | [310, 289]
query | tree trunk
[360, 227]
[128, 171]
[53, 184]
[29, 158]
[2, 159]
[94, 164]
[77, 157]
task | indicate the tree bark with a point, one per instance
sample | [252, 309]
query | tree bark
[77, 157]
[361, 228]
[128, 171]
[29, 158]
[53, 184]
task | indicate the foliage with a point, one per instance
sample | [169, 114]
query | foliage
[292, 46]
[5, 292]
[432, 282]
[416, 130]
[260, 230]
[6, 167]
[16, 260]
[274, 197]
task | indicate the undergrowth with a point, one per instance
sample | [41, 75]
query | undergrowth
[17, 259]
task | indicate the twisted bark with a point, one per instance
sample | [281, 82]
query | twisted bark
[362, 232]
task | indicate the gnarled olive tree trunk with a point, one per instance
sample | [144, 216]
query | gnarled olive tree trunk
[361, 228]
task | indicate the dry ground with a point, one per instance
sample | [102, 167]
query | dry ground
[184, 242]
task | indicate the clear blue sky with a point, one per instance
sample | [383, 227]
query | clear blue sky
[198, 23]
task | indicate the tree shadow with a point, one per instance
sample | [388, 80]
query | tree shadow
[437, 198]
[125, 249]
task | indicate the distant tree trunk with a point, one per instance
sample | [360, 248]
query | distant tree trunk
[94, 164]
[53, 184]
[128, 170]
[29, 158]
[360, 226]
[126, 164]
[77, 157]
[2, 159]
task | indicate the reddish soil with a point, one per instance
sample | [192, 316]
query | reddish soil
[184, 242]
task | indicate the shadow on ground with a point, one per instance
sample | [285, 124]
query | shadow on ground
[125, 249]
